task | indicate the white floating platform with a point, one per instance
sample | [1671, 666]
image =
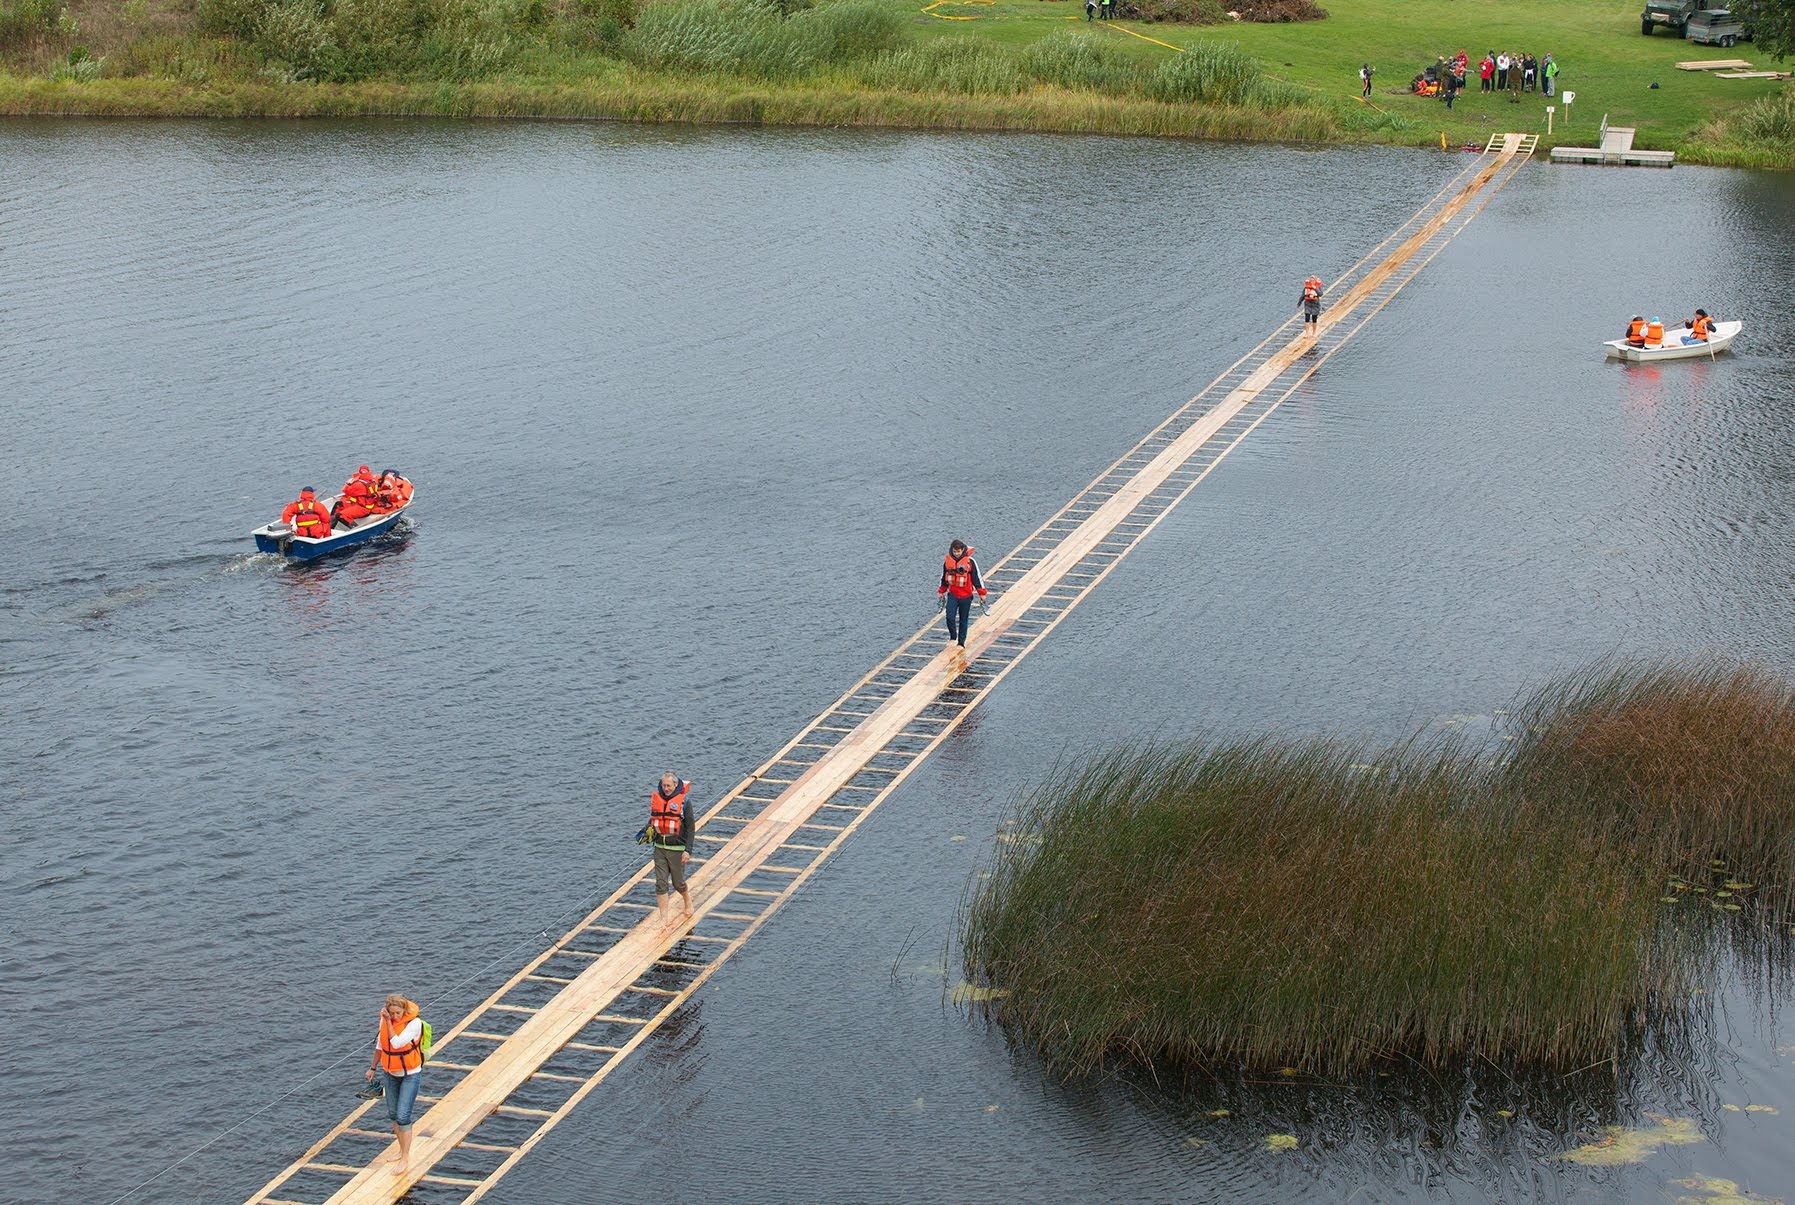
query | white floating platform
[1626, 158]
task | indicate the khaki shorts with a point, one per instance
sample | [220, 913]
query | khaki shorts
[668, 865]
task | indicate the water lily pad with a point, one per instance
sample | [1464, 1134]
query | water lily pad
[1736, 885]
[972, 993]
[1287, 1072]
[1193, 1142]
[1505, 1112]
[1762, 1109]
[1671, 899]
[1732, 1108]
[1716, 1191]
[1723, 895]
[992, 1108]
[1280, 1142]
[1619, 1145]
[1216, 1113]
[958, 837]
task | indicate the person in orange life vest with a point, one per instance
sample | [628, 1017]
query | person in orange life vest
[1654, 332]
[399, 1058]
[1700, 327]
[1636, 331]
[670, 825]
[959, 578]
[391, 491]
[359, 497]
[1310, 302]
[308, 516]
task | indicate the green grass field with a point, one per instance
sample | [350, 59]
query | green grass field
[951, 64]
[1601, 54]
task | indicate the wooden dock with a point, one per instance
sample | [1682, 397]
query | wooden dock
[506, 1074]
[1617, 150]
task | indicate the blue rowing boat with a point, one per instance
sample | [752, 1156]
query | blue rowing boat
[279, 539]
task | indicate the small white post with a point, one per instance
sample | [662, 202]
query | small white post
[1568, 98]
[1549, 109]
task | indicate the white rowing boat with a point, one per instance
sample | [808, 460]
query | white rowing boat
[1674, 348]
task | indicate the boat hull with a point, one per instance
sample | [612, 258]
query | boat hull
[276, 539]
[1719, 341]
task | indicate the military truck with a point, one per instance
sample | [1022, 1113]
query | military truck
[1672, 14]
[1717, 27]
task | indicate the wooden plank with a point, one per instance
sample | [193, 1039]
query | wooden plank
[1710, 64]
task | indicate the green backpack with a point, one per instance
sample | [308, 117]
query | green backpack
[424, 1040]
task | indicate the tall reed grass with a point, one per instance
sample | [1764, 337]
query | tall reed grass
[757, 37]
[1693, 765]
[1266, 903]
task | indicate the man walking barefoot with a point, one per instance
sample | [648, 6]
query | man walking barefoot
[671, 824]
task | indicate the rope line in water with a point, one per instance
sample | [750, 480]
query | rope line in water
[580, 909]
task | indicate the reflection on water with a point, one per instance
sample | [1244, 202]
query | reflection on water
[695, 412]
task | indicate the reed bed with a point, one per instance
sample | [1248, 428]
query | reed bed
[1264, 904]
[1267, 904]
[1694, 763]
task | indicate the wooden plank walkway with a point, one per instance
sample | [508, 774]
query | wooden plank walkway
[524, 1059]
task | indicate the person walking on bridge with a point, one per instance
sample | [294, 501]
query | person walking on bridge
[670, 831]
[959, 578]
[399, 1058]
[1310, 303]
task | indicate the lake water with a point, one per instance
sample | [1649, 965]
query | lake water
[692, 415]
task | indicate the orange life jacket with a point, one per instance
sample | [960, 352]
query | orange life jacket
[358, 489]
[310, 520]
[1312, 289]
[1701, 327]
[959, 574]
[395, 491]
[1636, 332]
[397, 1060]
[665, 813]
[1654, 334]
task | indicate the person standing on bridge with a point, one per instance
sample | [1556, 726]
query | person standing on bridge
[670, 822]
[959, 578]
[399, 1058]
[1310, 302]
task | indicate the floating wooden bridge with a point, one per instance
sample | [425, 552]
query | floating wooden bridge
[519, 1063]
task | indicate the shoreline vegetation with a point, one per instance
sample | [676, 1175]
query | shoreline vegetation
[1181, 68]
[1264, 904]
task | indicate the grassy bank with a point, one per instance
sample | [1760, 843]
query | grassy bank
[1007, 65]
[1274, 904]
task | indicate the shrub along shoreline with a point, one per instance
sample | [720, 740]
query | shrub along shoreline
[1008, 65]
[1259, 904]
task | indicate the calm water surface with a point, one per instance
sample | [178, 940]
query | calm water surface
[692, 415]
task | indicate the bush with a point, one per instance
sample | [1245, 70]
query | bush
[24, 22]
[295, 33]
[80, 67]
[1210, 73]
[848, 30]
[232, 18]
[746, 37]
[1769, 119]
[963, 68]
[1072, 59]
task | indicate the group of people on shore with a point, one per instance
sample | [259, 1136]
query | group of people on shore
[1641, 333]
[1497, 71]
[364, 494]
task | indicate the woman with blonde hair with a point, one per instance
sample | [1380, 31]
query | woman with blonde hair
[399, 1058]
